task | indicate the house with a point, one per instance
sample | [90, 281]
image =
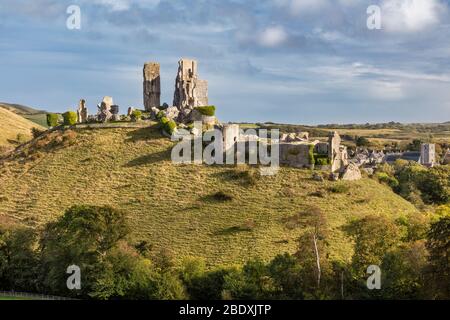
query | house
[408, 156]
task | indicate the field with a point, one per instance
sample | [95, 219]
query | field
[38, 118]
[176, 208]
[379, 135]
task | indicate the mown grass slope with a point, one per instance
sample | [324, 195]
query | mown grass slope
[223, 214]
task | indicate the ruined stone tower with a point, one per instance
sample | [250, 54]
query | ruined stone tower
[152, 86]
[336, 152]
[190, 91]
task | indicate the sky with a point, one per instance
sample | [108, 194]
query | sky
[286, 61]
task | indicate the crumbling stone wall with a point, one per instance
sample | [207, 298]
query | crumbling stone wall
[295, 154]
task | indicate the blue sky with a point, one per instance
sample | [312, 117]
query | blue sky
[291, 61]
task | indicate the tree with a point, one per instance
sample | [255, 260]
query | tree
[362, 142]
[18, 259]
[52, 119]
[402, 272]
[434, 184]
[83, 236]
[70, 118]
[438, 245]
[374, 236]
[285, 272]
[415, 145]
[312, 251]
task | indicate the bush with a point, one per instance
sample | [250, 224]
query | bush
[52, 119]
[207, 110]
[70, 118]
[385, 178]
[136, 115]
[160, 115]
[321, 159]
[168, 125]
[339, 188]
[164, 120]
[362, 142]
[36, 132]
[21, 138]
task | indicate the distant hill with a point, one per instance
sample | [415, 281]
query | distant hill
[11, 125]
[224, 214]
[37, 116]
[20, 109]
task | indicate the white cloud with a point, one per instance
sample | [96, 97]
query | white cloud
[122, 5]
[410, 15]
[386, 90]
[297, 7]
[273, 36]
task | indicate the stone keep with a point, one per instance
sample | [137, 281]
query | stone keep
[190, 91]
[152, 86]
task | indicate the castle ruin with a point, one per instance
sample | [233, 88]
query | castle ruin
[190, 91]
[152, 86]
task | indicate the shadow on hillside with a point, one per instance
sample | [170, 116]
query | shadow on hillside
[143, 134]
[150, 158]
[231, 231]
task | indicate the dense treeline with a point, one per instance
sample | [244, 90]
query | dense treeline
[416, 183]
[412, 253]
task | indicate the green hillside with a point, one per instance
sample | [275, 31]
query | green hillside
[175, 207]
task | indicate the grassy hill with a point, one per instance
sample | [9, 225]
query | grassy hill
[12, 124]
[34, 115]
[176, 207]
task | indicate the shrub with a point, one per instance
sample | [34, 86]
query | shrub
[70, 118]
[21, 138]
[385, 178]
[207, 110]
[136, 115]
[321, 159]
[168, 125]
[339, 188]
[164, 120]
[160, 115]
[362, 142]
[36, 132]
[52, 119]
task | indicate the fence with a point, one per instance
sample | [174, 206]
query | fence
[30, 296]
